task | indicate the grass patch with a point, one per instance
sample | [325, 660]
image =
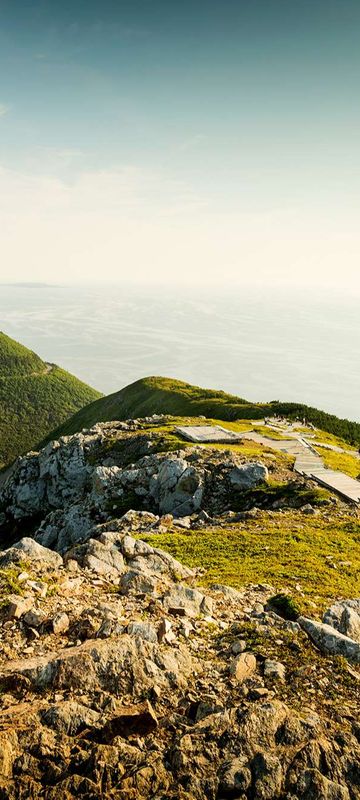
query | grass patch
[293, 494]
[9, 582]
[340, 461]
[322, 555]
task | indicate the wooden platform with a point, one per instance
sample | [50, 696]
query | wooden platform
[204, 434]
[311, 465]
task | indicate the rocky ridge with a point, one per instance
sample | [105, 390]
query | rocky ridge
[95, 475]
[122, 677]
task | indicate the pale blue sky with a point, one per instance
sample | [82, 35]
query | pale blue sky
[185, 140]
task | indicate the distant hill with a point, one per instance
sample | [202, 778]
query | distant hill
[35, 397]
[156, 395]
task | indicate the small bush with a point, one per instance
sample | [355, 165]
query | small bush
[285, 606]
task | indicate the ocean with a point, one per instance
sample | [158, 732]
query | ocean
[259, 344]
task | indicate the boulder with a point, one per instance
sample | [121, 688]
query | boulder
[333, 614]
[144, 630]
[248, 476]
[330, 640]
[274, 670]
[190, 601]
[29, 550]
[178, 487]
[350, 623]
[344, 615]
[70, 717]
[125, 665]
[16, 606]
[103, 557]
[243, 666]
[135, 582]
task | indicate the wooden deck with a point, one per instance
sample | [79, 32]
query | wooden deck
[310, 464]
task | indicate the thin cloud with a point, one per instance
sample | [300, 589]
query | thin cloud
[3, 109]
[192, 142]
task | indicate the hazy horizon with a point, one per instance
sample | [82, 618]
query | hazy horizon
[180, 142]
[253, 343]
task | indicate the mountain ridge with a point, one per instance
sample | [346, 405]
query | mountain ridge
[159, 395]
[35, 396]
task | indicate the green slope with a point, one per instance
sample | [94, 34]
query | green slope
[34, 398]
[156, 395]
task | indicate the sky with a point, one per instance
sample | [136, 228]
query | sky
[190, 141]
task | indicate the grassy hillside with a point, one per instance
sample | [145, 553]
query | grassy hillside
[164, 395]
[17, 360]
[34, 398]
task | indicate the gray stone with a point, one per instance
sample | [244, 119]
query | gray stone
[309, 510]
[178, 488]
[103, 558]
[332, 615]
[248, 476]
[28, 549]
[330, 640]
[137, 583]
[70, 717]
[144, 630]
[238, 647]
[128, 665]
[274, 670]
[34, 618]
[193, 602]
[228, 592]
[183, 522]
[350, 623]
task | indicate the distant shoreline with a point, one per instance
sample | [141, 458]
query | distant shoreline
[32, 285]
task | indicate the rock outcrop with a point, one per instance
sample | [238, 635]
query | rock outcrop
[74, 481]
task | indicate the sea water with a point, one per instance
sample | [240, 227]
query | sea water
[258, 343]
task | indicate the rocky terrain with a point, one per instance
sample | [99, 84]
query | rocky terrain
[121, 675]
[115, 467]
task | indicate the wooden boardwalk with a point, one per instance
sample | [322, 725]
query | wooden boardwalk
[310, 464]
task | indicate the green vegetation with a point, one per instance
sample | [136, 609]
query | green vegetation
[290, 493]
[17, 360]
[314, 558]
[34, 398]
[285, 606]
[156, 395]
[9, 582]
[341, 461]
